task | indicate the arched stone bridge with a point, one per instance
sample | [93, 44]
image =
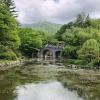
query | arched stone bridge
[50, 52]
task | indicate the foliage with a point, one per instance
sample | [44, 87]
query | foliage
[82, 38]
[31, 41]
[50, 39]
[82, 20]
[10, 4]
[8, 32]
[89, 51]
[76, 62]
[97, 62]
[8, 29]
[7, 54]
[62, 30]
[69, 52]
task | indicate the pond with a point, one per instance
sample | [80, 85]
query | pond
[45, 91]
[42, 82]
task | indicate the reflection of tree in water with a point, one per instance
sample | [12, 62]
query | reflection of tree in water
[7, 88]
[87, 89]
[42, 73]
[21, 75]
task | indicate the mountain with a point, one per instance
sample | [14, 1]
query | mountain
[44, 26]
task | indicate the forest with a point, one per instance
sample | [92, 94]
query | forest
[81, 38]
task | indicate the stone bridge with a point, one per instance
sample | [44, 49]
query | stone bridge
[50, 52]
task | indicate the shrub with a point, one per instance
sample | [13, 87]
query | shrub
[89, 50]
[8, 55]
[70, 52]
[97, 62]
[76, 62]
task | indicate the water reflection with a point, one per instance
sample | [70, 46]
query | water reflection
[46, 91]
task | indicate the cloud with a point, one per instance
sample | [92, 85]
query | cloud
[59, 11]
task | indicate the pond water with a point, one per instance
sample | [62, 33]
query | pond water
[45, 91]
[38, 82]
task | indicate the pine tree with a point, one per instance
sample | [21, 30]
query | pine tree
[87, 21]
[8, 29]
[79, 19]
[10, 6]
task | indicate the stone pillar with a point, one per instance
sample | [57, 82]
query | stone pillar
[54, 56]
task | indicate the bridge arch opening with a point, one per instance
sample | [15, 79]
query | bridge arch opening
[58, 54]
[47, 54]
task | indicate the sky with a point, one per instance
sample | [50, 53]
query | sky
[57, 11]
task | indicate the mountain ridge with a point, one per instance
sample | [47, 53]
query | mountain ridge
[44, 26]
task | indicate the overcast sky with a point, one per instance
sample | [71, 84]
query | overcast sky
[58, 11]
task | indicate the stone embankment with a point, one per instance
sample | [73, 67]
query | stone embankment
[11, 64]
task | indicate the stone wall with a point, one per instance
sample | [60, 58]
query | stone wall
[11, 64]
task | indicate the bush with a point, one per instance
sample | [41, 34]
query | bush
[76, 62]
[96, 63]
[70, 61]
[8, 55]
[80, 62]
[18, 54]
[70, 52]
[89, 51]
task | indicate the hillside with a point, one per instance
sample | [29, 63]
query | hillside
[44, 26]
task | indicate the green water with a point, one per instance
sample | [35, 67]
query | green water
[46, 82]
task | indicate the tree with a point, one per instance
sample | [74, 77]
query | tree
[88, 21]
[50, 39]
[83, 20]
[95, 23]
[10, 6]
[62, 30]
[75, 36]
[89, 51]
[70, 52]
[6, 53]
[8, 29]
[80, 19]
[82, 38]
[31, 41]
